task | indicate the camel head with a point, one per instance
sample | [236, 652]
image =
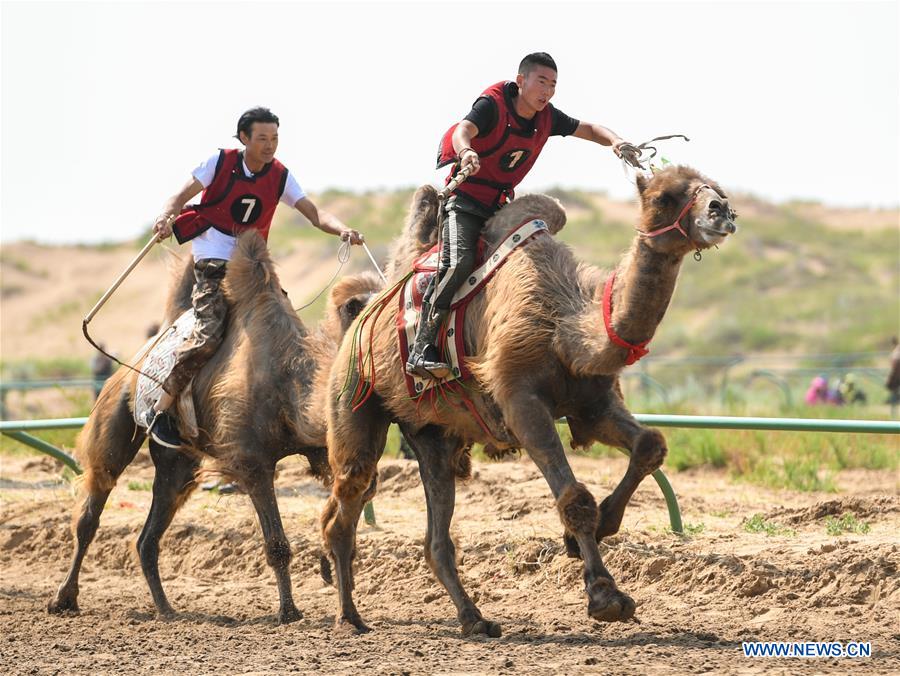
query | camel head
[683, 211]
[347, 299]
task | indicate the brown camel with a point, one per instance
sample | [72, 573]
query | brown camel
[540, 352]
[258, 400]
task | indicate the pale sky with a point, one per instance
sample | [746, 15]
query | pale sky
[107, 107]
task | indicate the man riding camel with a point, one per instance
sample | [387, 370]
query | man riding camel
[241, 188]
[499, 141]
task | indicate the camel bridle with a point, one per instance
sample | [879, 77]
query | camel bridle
[677, 224]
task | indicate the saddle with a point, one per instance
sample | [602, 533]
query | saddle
[160, 351]
[451, 341]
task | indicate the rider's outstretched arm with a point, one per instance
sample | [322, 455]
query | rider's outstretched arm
[326, 222]
[599, 134]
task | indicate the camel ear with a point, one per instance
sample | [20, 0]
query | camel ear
[642, 183]
[354, 306]
[349, 310]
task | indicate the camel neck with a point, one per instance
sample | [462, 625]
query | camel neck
[644, 287]
[644, 283]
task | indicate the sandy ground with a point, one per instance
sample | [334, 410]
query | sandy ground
[698, 597]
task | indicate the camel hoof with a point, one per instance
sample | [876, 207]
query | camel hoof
[63, 605]
[166, 614]
[288, 615]
[608, 604]
[485, 627]
[348, 626]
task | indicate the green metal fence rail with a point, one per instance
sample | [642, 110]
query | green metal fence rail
[7, 386]
[18, 429]
[721, 422]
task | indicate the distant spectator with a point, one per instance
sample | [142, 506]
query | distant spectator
[833, 396]
[850, 391]
[101, 369]
[893, 381]
[817, 393]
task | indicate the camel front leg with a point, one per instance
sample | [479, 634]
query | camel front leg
[355, 444]
[172, 485]
[531, 421]
[260, 486]
[108, 444]
[436, 456]
[646, 448]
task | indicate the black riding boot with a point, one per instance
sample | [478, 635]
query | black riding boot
[424, 360]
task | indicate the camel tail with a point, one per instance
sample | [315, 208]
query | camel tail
[251, 271]
[109, 440]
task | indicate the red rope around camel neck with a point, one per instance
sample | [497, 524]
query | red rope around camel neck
[636, 351]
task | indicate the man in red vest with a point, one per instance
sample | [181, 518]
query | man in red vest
[498, 141]
[241, 188]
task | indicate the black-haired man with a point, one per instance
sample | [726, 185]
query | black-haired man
[499, 140]
[241, 188]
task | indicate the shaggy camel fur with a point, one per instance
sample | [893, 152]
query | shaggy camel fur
[540, 352]
[258, 400]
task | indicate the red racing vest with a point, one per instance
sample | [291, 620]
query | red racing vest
[234, 202]
[507, 153]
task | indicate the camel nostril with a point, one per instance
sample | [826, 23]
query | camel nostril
[730, 227]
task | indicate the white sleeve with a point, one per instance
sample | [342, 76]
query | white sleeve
[292, 191]
[206, 171]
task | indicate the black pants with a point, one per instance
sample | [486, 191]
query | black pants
[463, 221]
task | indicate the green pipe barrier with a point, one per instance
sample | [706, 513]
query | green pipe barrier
[45, 447]
[722, 422]
[15, 385]
[661, 420]
[48, 424]
[369, 513]
[671, 501]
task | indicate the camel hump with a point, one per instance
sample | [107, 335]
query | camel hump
[422, 220]
[521, 209]
[349, 296]
[251, 270]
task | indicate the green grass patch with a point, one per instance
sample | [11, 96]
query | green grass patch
[846, 523]
[63, 439]
[695, 448]
[758, 524]
[140, 485]
[45, 369]
[693, 528]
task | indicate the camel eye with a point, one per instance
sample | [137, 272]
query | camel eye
[663, 200]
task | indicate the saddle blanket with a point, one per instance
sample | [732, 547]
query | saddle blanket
[161, 351]
[451, 340]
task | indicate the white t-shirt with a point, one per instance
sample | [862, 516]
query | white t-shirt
[215, 244]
